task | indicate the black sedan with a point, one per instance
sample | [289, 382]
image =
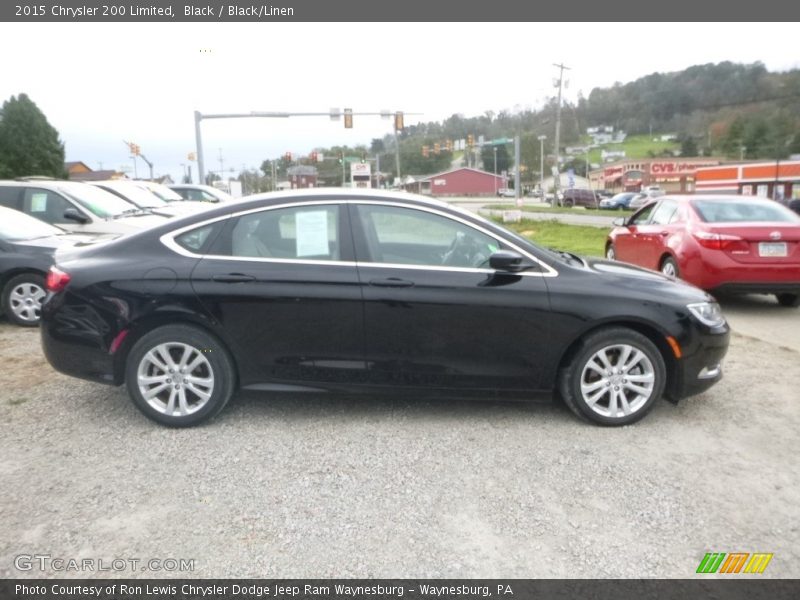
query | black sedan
[357, 290]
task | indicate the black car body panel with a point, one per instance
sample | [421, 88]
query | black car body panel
[353, 324]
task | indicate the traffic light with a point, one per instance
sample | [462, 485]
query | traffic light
[341, 157]
[363, 157]
[425, 151]
[470, 140]
[448, 145]
[348, 118]
[135, 150]
[191, 156]
[398, 121]
[288, 156]
[313, 157]
[436, 148]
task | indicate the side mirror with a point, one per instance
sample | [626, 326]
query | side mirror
[73, 215]
[509, 261]
[620, 222]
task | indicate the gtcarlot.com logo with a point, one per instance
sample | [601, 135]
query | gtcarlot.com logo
[46, 562]
[734, 562]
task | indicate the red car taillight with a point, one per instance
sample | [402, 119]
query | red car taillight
[721, 241]
[57, 280]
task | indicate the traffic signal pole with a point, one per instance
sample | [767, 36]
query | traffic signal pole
[333, 114]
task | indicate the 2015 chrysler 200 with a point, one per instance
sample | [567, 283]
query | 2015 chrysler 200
[357, 290]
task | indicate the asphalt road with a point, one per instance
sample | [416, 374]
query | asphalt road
[294, 486]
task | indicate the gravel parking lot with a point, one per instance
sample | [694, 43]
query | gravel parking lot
[301, 486]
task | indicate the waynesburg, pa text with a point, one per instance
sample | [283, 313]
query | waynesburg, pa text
[436, 590]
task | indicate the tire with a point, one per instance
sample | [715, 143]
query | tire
[670, 268]
[611, 252]
[601, 401]
[180, 402]
[22, 299]
[788, 300]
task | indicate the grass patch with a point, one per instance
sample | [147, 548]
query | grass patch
[580, 239]
[17, 401]
[561, 210]
[635, 146]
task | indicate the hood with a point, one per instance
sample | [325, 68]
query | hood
[126, 224]
[639, 280]
[57, 241]
[180, 208]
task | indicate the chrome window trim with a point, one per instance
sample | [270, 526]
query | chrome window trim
[168, 239]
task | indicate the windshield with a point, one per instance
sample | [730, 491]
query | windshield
[743, 211]
[133, 193]
[16, 226]
[99, 202]
[162, 191]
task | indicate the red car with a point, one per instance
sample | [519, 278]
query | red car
[737, 244]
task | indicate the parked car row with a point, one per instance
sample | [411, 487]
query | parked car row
[41, 214]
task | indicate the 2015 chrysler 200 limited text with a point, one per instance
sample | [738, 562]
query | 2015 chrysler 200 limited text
[358, 290]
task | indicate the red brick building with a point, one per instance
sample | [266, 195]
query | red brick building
[462, 182]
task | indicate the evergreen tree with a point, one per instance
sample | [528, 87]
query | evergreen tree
[29, 145]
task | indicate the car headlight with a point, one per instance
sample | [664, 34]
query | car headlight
[708, 313]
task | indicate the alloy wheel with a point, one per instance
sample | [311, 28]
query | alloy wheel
[617, 380]
[175, 379]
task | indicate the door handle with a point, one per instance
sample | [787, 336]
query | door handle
[663, 233]
[391, 282]
[233, 278]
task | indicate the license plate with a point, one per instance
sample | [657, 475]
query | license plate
[772, 249]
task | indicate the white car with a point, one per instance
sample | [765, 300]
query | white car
[203, 193]
[75, 206]
[138, 193]
[506, 193]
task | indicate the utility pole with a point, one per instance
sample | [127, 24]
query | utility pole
[221, 165]
[378, 169]
[397, 157]
[557, 176]
[517, 195]
[541, 139]
[495, 170]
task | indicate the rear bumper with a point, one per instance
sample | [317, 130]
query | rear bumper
[717, 271]
[74, 341]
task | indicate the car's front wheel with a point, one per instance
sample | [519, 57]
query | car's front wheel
[22, 299]
[179, 375]
[788, 300]
[614, 378]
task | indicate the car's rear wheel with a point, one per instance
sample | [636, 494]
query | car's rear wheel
[788, 300]
[670, 268]
[179, 375]
[22, 299]
[611, 252]
[614, 378]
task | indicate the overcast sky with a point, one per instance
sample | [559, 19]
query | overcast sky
[100, 84]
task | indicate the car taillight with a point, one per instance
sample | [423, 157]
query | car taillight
[721, 241]
[57, 280]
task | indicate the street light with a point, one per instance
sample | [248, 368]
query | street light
[541, 139]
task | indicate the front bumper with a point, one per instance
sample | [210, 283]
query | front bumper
[701, 366]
